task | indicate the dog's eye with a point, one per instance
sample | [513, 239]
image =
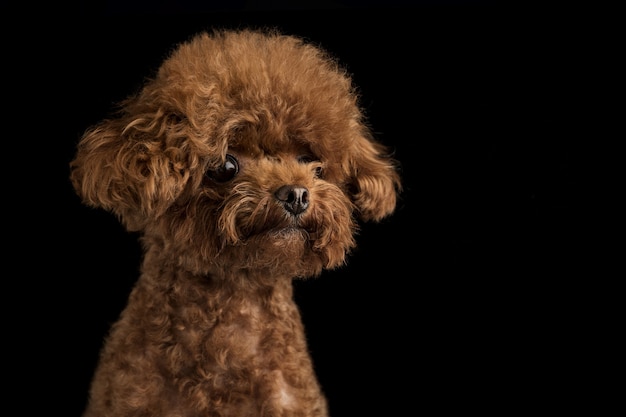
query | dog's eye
[307, 159]
[226, 172]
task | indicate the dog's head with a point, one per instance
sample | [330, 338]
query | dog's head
[247, 149]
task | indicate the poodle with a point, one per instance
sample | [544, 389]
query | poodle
[243, 164]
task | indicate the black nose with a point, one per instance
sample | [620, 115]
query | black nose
[295, 199]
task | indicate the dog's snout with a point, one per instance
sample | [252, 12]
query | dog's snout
[295, 199]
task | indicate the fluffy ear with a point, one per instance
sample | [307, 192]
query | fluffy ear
[126, 167]
[376, 180]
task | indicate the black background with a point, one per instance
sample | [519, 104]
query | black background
[477, 295]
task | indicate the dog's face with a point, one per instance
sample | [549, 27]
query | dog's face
[247, 150]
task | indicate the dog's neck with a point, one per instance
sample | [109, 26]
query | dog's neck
[253, 262]
[240, 282]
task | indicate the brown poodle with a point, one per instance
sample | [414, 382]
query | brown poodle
[244, 163]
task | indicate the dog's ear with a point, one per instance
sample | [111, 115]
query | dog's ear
[126, 167]
[375, 178]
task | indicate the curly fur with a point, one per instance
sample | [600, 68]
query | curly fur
[211, 328]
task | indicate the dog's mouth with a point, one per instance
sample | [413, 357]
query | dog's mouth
[289, 232]
[279, 227]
